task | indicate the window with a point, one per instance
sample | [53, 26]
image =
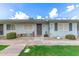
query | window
[10, 27]
[56, 26]
[70, 26]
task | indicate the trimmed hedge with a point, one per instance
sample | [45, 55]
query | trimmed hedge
[70, 36]
[11, 35]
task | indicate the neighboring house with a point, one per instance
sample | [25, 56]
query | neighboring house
[53, 28]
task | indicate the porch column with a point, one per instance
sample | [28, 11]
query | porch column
[4, 29]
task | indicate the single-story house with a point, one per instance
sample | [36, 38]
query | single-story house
[54, 28]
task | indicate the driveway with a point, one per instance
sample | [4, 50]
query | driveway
[17, 45]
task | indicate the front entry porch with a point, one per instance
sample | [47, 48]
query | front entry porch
[39, 30]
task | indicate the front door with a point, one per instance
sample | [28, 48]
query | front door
[1, 29]
[39, 29]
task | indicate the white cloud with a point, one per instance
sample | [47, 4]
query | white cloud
[11, 10]
[53, 13]
[43, 18]
[74, 17]
[70, 8]
[20, 15]
[61, 18]
[39, 17]
[77, 5]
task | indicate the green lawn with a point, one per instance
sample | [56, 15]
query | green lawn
[3, 47]
[57, 50]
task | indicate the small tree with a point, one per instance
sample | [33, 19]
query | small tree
[31, 18]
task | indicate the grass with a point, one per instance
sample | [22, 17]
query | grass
[57, 50]
[3, 47]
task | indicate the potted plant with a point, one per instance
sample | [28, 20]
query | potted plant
[46, 35]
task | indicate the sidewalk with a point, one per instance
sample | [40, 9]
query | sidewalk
[17, 45]
[12, 50]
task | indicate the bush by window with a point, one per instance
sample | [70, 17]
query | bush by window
[11, 35]
[70, 36]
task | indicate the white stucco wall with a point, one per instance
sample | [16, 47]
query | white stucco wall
[21, 28]
[25, 28]
[5, 31]
[63, 29]
[44, 29]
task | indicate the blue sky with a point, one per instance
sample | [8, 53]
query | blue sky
[39, 10]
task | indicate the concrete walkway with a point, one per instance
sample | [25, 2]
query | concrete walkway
[17, 45]
[12, 50]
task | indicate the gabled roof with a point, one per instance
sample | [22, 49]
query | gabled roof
[22, 21]
[66, 20]
[36, 21]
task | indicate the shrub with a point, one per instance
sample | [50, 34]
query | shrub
[70, 36]
[11, 35]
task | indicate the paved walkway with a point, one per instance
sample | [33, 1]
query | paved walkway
[12, 50]
[17, 45]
